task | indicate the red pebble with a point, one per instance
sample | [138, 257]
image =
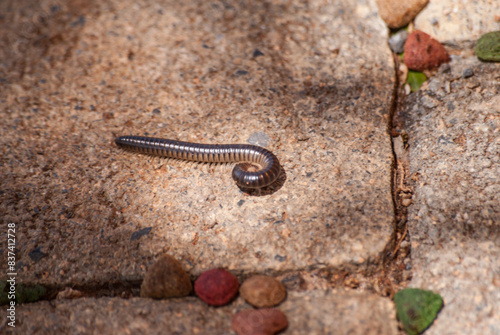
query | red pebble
[422, 52]
[259, 322]
[216, 287]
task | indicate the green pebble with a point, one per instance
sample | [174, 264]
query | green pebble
[488, 47]
[416, 309]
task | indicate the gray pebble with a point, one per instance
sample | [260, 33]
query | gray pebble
[260, 139]
[467, 73]
[397, 41]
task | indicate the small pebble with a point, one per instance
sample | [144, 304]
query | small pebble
[467, 73]
[37, 254]
[263, 291]
[422, 52]
[257, 53]
[241, 72]
[216, 287]
[397, 13]
[69, 293]
[397, 41]
[140, 233]
[259, 138]
[166, 279]
[406, 202]
[488, 47]
[259, 322]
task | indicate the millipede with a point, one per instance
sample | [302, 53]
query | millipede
[249, 157]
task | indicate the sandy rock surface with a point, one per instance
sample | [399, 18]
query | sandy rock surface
[195, 75]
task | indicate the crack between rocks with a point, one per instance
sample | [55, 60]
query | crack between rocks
[399, 174]
[391, 130]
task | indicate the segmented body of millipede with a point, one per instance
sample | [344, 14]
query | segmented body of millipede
[246, 155]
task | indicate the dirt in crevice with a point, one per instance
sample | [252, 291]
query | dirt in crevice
[397, 260]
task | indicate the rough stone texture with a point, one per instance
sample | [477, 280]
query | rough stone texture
[454, 222]
[119, 316]
[166, 279]
[312, 79]
[453, 21]
[398, 13]
[318, 312]
[76, 75]
[340, 312]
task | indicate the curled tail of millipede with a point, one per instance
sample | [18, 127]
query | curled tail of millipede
[245, 154]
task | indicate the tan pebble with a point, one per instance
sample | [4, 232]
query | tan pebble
[69, 293]
[166, 279]
[263, 291]
[397, 13]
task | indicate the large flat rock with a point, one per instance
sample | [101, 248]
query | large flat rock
[318, 312]
[315, 78]
[454, 222]
[455, 22]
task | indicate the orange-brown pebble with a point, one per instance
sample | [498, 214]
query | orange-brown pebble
[263, 291]
[397, 13]
[422, 52]
[267, 321]
[166, 278]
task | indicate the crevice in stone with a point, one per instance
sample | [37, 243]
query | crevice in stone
[397, 257]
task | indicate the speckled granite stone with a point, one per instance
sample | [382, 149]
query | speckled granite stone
[454, 221]
[317, 312]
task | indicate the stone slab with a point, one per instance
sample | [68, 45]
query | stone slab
[314, 312]
[315, 77]
[454, 221]
[454, 22]
[338, 312]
